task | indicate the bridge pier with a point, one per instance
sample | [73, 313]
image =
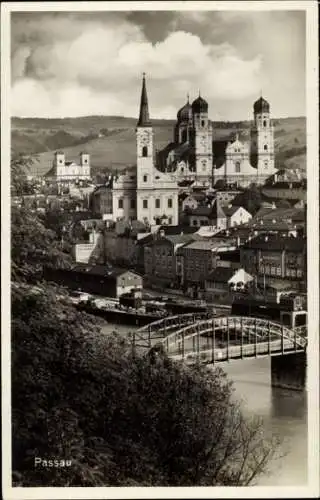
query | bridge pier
[289, 371]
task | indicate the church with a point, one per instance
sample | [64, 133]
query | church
[194, 155]
[150, 193]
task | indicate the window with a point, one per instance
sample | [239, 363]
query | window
[195, 223]
[144, 151]
[145, 203]
[120, 203]
[170, 222]
[145, 178]
[158, 203]
[265, 147]
[238, 166]
[170, 203]
[203, 123]
[133, 204]
[264, 123]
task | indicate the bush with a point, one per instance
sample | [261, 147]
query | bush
[123, 417]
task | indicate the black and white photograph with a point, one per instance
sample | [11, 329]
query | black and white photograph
[160, 236]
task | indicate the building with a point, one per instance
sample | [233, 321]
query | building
[160, 263]
[223, 281]
[236, 215]
[96, 279]
[193, 155]
[279, 261]
[211, 215]
[197, 259]
[69, 172]
[144, 193]
[193, 200]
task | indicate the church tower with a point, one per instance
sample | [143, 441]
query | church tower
[144, 136]
[262, 139]
[202, 140]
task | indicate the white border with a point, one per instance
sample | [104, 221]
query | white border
[312, 489]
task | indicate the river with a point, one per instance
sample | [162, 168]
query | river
[284, 414]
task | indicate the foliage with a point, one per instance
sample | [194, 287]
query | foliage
[20, 166]
[33, 245]
[122, 418]
[250, 199]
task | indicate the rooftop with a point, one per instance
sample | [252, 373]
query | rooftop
[275, 242]
[99, 270]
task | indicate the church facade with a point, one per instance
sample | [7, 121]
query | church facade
[194, 155]
[148, 194]
[70, 171]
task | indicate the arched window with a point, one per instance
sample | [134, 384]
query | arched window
[237, 166]
[144, 151]
[264, 123]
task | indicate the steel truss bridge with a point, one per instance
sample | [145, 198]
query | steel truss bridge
[203, 338]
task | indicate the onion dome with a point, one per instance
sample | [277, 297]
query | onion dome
[200, 105]
[261, 106]
[185, 113]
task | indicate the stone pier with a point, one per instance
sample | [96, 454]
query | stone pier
[289, 371]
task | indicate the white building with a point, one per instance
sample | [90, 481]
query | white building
[195, 156]
[70, 171]
[149, 195]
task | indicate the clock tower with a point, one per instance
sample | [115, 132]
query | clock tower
[202, 141]
[144, 134]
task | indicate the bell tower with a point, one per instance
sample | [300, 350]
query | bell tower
[262, 139]
[144, 137]
[202, 140]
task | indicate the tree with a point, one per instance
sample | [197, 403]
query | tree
[123, 417]
[33, 246]
[250, 199]
[20, 165]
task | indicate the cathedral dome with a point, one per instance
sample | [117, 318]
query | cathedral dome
[261, 106]
[200, 105]
[185, 113]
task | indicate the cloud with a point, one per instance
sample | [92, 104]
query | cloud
[80, 64]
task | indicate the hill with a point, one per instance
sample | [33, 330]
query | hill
[110, 140]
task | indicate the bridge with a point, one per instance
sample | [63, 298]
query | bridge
[205, 339]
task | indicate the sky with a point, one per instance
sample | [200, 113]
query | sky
[91, 63]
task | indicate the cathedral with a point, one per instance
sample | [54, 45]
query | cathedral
[194, 155]
[150, 193]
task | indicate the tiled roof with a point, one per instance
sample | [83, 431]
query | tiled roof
[177, 229]
[100, 270]
[294, 214]
[179, 238]
[229, 211]
[208, 244]
[274, 242]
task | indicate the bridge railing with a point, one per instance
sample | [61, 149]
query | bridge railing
[256, 327]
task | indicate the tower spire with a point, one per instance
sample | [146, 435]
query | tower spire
[144, 119]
